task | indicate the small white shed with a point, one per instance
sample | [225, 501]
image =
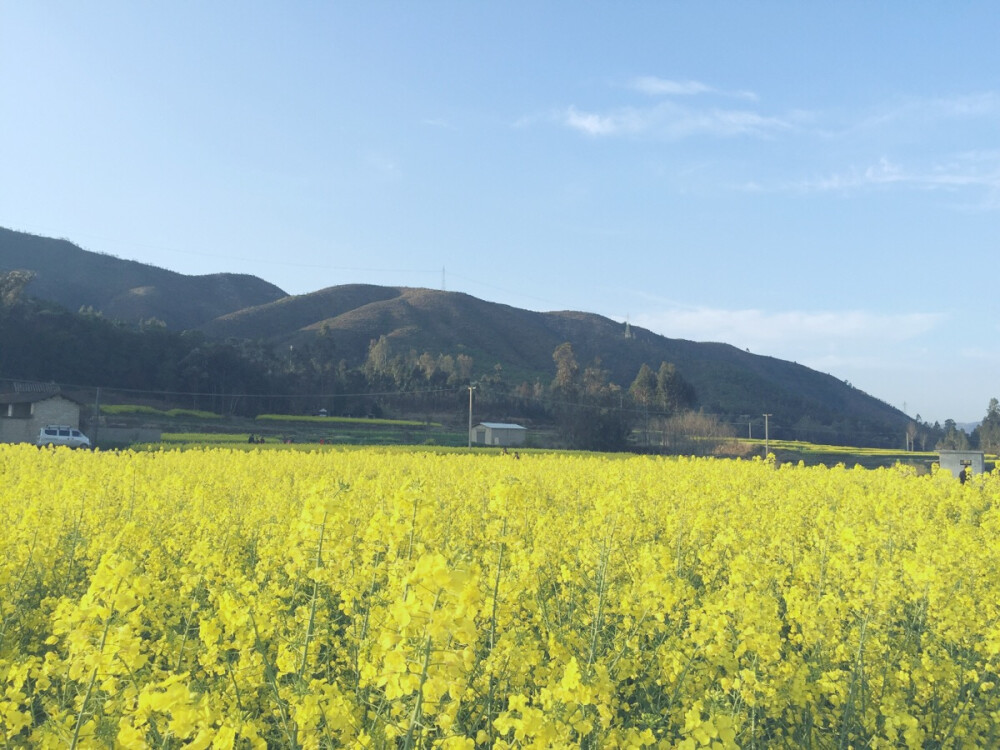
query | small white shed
[972, 462]
[498, 433]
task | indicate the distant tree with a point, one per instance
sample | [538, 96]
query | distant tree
[428, 364]
[12, 285]
[953, 439]
[587, 406]
[567, 370]
[643, 388]
[379, 355]
[694, 433]
[445, 366]
[673, 392]
[595, 383]
[463, 368]
[987, 434]
[602, 423]
[643, 393]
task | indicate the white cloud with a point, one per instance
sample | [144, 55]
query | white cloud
[883, 354]
[437, 122]
[669, 120]
[683, 109]
[784, 333]
[615, 123]
[654, 86]
[970, 170]
[662, 87]
[882, 173]
[924, 110]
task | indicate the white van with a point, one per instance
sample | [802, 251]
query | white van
[62, 434]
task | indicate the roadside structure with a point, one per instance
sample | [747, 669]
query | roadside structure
[957, 462]
[25, 408]
[501, 434]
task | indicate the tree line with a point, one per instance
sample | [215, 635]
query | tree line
[949, 436]
[40, 341]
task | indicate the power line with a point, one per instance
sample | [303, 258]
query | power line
[216, 394]
[542, 401]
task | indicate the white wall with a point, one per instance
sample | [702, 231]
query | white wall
[53, 410]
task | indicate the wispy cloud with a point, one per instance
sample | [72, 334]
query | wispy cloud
[972, 169]
[924, 111]
[888, 355]
[662, 87]
[654, 86]
[682, 109]
[913, 134]
[811, 334]
[437, 122]
[672, 121]
[612, 123]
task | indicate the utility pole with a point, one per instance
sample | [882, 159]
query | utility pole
[471, 389]
[766, 446]
[97, 418]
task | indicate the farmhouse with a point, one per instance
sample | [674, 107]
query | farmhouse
[498, 433]
[27, 407]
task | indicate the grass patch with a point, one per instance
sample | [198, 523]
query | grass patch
[119, 410]
[345, 420]
[204, 438]
[196, 440]
[799, 446]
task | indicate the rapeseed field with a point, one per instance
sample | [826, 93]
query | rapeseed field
[251, 599]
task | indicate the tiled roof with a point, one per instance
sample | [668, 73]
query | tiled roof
[21, 392]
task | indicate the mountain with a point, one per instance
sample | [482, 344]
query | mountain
[727, 380]
[342, 322]
[126, 290]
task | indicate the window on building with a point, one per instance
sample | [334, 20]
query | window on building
[16, 411]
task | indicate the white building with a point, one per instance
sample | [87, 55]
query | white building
[972, 462]
[27, 407]
[498, 433]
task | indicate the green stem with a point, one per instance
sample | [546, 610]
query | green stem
[315, 595]
[93, 679]
[270, 674]
[417, 715]
[602, 588]
[236, 687]
[493, 630]
[858, 666]
[187, 629]
[15, 592]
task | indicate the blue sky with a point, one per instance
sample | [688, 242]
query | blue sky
[819, 184]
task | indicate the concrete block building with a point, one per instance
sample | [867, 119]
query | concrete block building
[500, 434]
[25, 408]
[972, 462]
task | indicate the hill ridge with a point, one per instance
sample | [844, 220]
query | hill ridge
[126, 289]
[348, 318]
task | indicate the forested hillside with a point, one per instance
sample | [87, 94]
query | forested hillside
[123, 289]
[74, 316]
